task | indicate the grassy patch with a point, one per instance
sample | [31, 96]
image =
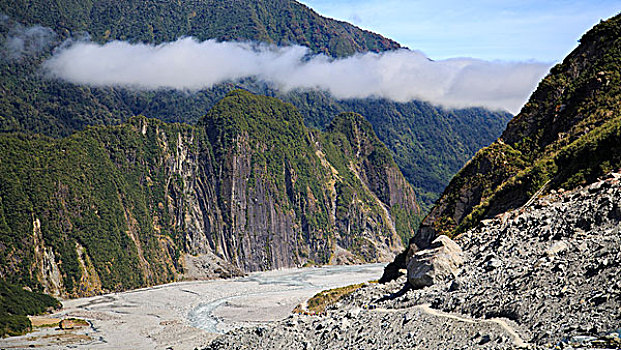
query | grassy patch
[320, 302]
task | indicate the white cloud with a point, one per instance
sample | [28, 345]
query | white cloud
[401, 75]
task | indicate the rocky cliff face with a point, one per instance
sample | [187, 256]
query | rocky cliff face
[351, 137]
[250, 188]
[289, 196]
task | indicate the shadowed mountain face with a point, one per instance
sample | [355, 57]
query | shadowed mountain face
[249, 188]
[429, 143]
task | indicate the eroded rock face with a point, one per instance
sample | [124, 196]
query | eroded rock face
[47, 270]
[441, 262]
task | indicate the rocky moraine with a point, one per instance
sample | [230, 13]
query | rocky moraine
[543, 276]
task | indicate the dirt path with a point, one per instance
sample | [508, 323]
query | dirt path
[517, 340]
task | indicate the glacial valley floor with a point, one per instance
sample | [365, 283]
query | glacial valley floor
[187, 315]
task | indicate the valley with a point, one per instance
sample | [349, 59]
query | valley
[224, 175]
[186, 315]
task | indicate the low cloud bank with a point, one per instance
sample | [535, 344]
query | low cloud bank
[401, 75]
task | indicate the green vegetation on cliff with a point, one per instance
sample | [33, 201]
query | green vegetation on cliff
[16, 304]
[264, 140]
[429, 143]
[117, 207]
[351, 144]
[94, 188]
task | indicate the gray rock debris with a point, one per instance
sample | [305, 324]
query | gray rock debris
[546, 275]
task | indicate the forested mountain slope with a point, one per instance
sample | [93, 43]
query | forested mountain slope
[429, 143]
[280, 22]
[249, 188]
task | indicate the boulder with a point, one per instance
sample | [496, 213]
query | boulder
[438, 263]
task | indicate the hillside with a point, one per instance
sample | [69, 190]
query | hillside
[249, 188]
[566, 135]
[280, 22]
[429, 143]
[30, 102]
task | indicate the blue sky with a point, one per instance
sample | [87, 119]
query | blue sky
[514, 30]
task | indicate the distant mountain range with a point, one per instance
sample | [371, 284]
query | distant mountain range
[429, 143]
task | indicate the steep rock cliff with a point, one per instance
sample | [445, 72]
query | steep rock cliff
[249, 188]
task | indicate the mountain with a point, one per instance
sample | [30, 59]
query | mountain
[536, 223]
[249, 188]
[429, 143]
[567, 134]
[280, 22]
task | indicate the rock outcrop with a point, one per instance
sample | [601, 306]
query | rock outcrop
[439, 263]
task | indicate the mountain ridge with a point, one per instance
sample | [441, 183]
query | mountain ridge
[429, 142]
